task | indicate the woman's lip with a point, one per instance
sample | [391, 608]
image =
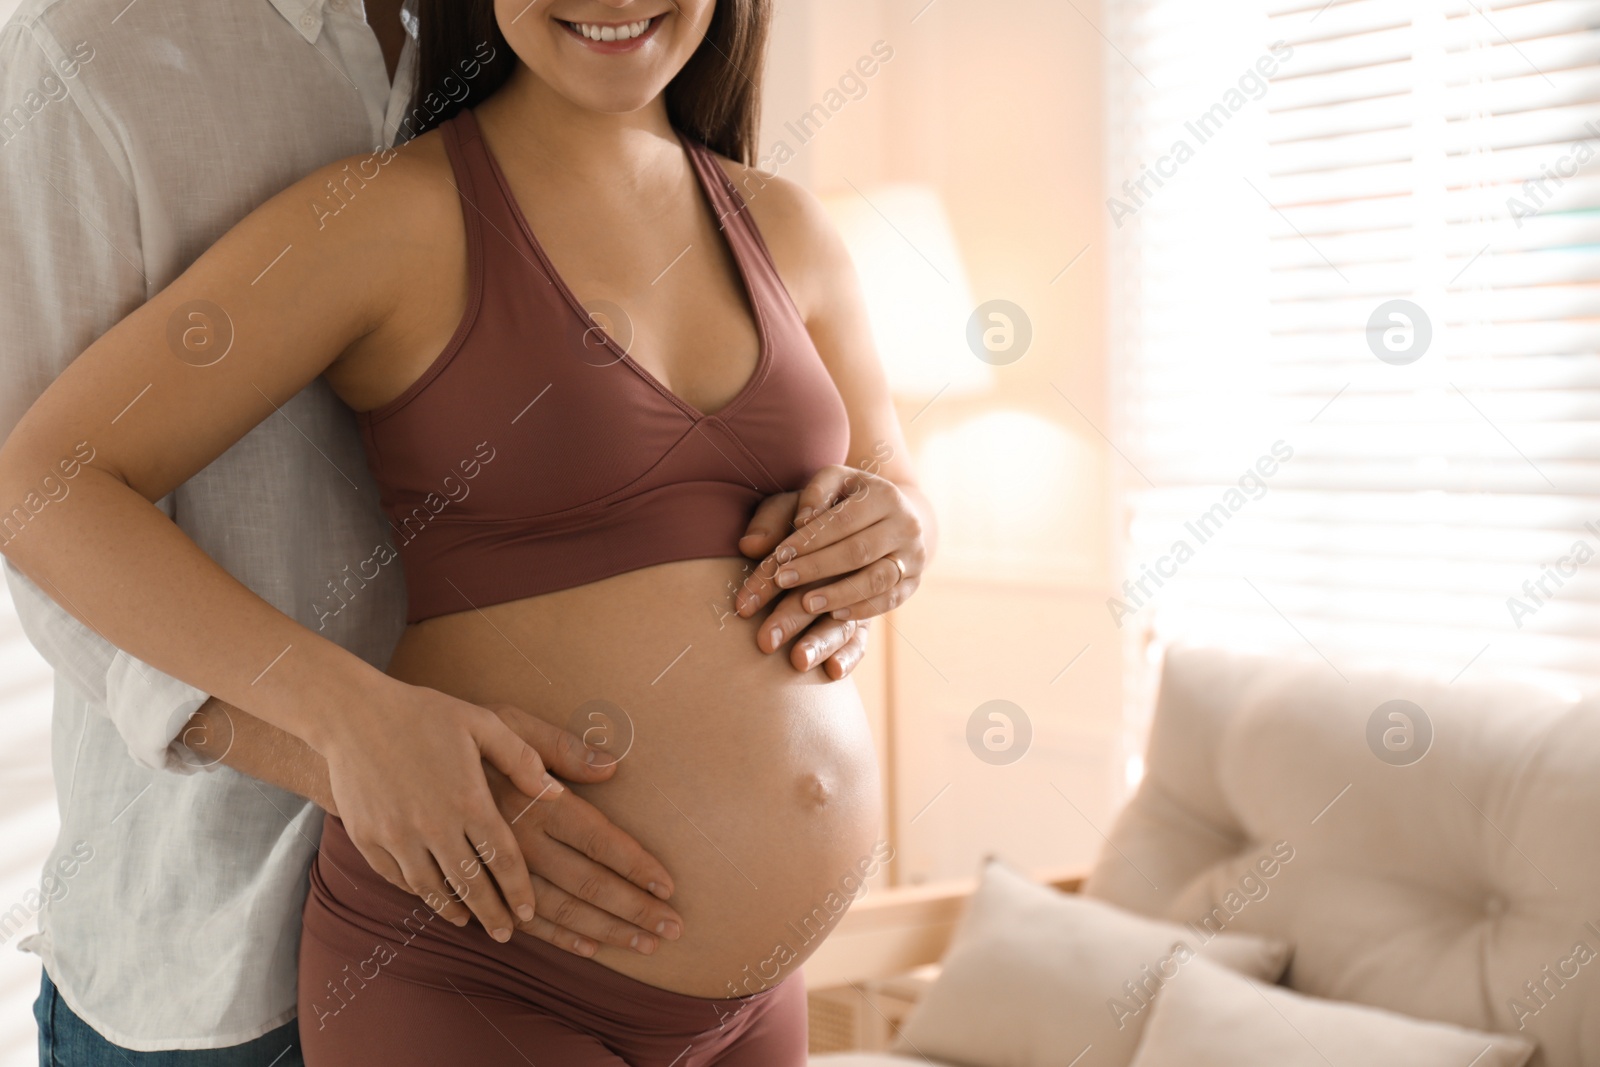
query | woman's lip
[613, 47]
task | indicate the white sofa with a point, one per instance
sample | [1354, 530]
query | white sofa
[1461, 886]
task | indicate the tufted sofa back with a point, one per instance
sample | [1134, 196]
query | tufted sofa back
[1463, 885]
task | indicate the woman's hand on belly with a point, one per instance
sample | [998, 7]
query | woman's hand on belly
[859, 551]
[835, 645]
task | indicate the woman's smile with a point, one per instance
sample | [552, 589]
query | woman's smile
[612, 38]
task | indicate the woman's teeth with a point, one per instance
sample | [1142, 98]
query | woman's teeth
[626, 32]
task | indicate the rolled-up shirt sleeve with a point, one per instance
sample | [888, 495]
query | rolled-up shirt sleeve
[70, 269]
[148, 708]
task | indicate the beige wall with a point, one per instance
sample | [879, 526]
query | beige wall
[998, 106]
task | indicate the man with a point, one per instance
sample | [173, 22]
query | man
[132, 135]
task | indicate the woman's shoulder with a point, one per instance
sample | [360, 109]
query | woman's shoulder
[410, 182]
[798, 232]
[782, 208]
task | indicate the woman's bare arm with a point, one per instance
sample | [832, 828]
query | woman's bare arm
[855, 519]
[138, 414]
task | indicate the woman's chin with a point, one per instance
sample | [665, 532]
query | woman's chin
[585, 94]
[607, 98]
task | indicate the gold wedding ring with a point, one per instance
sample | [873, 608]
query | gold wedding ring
[892, 558]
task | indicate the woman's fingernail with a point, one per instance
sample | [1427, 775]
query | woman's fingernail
[642, 945]
[658, 890]
[584, 948]
[669, 929]
[591, 756]
[525, 912]
[786, 578]
[816, 602]
[459, 921]
[553, 786]
[776, 634]
[501, 934]
[842, 613]
[811, 655]
[803, 516]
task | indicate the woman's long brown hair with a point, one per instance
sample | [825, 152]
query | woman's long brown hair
[462, 58]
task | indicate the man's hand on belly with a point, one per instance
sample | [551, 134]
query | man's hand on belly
[591, 881]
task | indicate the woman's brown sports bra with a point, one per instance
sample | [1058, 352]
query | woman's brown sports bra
[534, 455]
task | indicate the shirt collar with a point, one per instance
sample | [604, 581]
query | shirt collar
[306, 16]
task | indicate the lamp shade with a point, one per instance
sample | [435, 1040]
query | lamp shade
[915, 287]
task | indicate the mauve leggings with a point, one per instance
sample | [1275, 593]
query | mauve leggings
[384, 981]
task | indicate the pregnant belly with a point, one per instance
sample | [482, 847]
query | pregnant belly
[755, 785]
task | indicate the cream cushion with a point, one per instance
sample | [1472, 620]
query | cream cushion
[1208, 1017]
[1463, 887]
[1033, 977]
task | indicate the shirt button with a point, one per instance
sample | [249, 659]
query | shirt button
[308, 20]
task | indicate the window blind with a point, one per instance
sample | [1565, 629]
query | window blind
[1356, 329]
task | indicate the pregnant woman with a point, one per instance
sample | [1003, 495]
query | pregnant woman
[584, 339]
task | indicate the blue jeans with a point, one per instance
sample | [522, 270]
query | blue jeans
[67, 1041]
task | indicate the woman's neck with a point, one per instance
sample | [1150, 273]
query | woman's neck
[536, 126]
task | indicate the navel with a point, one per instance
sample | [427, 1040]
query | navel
[815, 792]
